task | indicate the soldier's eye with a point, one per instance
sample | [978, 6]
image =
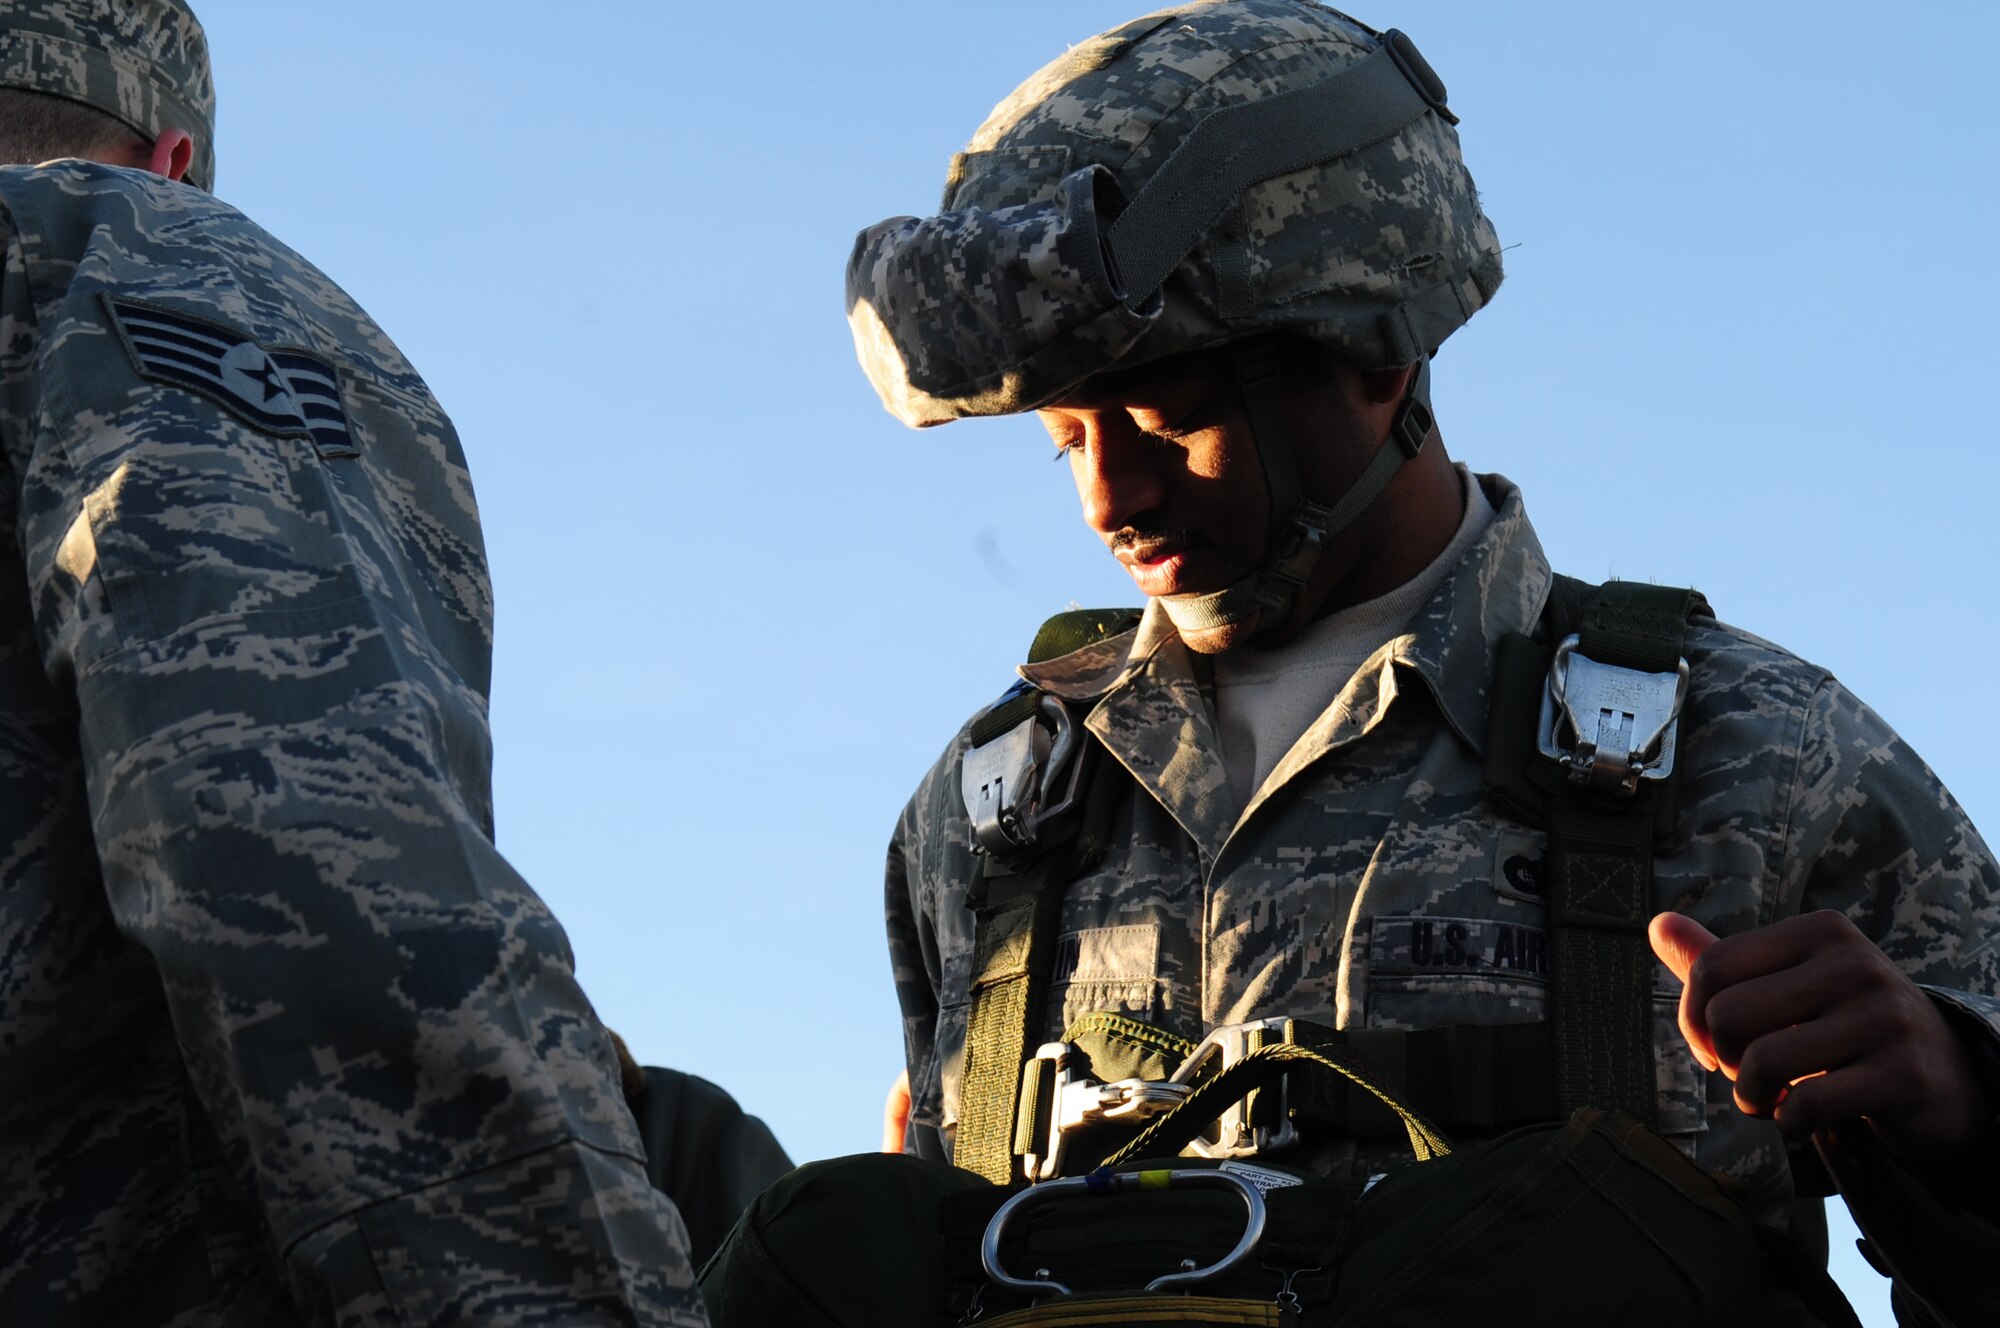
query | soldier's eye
[1172, 426]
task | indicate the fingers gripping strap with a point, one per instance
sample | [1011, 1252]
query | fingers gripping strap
[1262, 1069]
[1242, 145]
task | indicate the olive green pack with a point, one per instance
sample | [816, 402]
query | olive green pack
[1593, 1221]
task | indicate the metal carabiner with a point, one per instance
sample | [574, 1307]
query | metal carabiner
[1110, 1182]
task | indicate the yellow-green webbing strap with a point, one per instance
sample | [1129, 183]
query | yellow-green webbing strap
[1015, 918]
[1263, 1068]
[1013, 940]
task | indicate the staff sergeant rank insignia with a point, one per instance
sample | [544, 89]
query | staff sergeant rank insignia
[280, 390]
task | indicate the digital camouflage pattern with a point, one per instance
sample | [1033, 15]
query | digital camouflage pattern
[1004, 300]
[285, 1039]
[143, 61]
[1369, 884]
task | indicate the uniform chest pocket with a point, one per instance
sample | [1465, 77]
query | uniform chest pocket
[1105, 970]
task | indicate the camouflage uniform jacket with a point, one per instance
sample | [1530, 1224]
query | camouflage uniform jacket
[283, 1037]
[1369, 885]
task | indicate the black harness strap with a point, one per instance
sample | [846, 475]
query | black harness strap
[1600, 883]
[1472, 1079]
[1600, 874]
[1599, 870]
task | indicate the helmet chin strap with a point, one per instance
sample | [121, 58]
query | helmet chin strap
[1268, 594]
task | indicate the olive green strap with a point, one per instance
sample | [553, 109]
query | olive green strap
[1261, 1069]
[1013, 937]
[1016, 914]
[1600, 884]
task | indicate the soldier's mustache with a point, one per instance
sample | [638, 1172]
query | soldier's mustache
[1149, 534]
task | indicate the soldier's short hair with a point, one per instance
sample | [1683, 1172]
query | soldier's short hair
[35, 126]
[143, 62]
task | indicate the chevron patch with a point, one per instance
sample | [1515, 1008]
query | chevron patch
[280, 390]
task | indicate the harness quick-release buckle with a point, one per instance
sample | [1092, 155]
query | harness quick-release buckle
[1620, 723]
[1079, 1100]
[1258, 1123]
[1006, 782]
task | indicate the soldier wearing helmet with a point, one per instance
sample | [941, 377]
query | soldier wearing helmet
[1365, 762]
[284, 1039]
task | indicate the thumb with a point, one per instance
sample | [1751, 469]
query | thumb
[1679, 940]
[896, 1114]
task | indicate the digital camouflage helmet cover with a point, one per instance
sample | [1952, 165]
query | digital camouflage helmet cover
[1203, 173]
[1200, 176]
[144, 62]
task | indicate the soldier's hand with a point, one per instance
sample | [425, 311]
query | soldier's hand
[896, 1114]
[1814, 1024]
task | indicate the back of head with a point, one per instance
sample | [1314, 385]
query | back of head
[144, 63]
[1209, 172]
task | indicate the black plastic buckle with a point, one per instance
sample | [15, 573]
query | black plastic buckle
[1412, 425]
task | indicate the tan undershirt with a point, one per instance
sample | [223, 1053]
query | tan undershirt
[1266, 699]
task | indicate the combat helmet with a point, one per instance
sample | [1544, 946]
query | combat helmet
[1204, 175]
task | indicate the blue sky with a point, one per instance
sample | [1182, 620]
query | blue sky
[1750, 285]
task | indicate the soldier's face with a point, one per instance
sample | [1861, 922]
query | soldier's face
[1167, 470]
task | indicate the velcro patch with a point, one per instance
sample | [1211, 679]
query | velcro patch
[280, 390]
[1519, 864]
[1457, 945]
[1109, 954]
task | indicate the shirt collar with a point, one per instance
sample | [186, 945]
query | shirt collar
[1498, 589]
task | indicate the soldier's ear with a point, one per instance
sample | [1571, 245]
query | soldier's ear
[173, 153]
[1384, 386]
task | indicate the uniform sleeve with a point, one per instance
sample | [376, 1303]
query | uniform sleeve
[286, 767]
[1874, 835]
[914, 955]
[916, 985]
